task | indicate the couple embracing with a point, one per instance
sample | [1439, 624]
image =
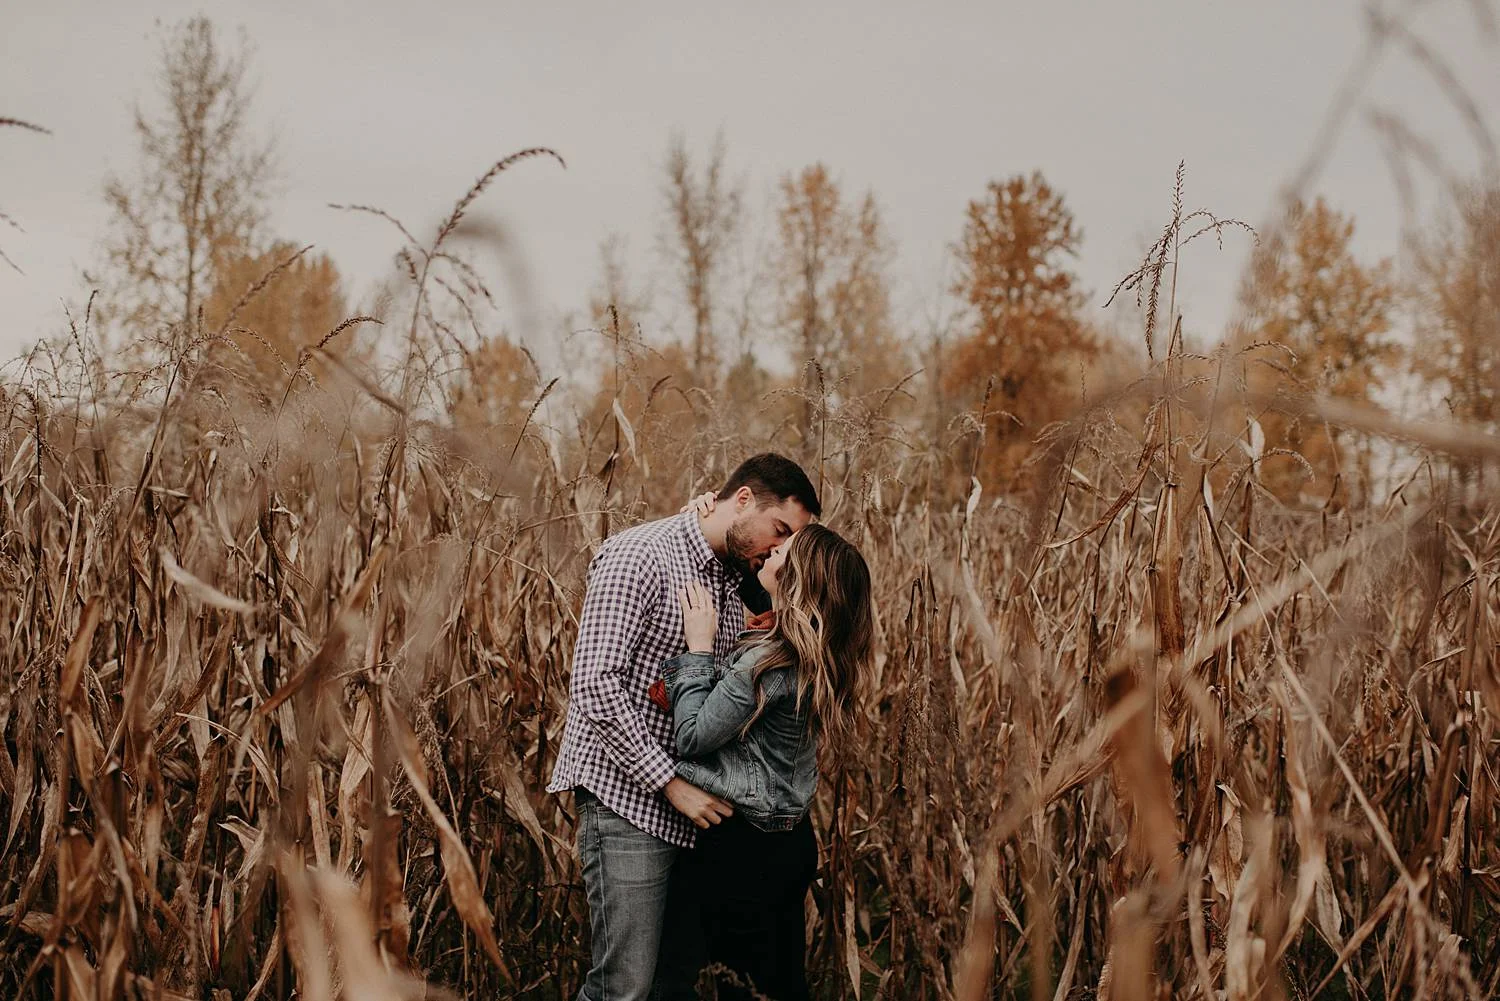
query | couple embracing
[716, 651]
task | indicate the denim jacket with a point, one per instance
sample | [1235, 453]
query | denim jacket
[770, 774]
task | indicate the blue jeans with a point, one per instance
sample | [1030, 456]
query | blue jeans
[626, 873]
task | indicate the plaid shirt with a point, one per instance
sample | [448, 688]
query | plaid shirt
[617, 743]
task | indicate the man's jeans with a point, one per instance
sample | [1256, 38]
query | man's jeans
[626, 873]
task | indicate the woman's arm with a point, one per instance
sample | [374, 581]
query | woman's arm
[707, 714]
[711, 703]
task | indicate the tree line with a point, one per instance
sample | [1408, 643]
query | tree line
[191, 264]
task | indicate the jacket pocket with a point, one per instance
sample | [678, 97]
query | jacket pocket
[729, 773]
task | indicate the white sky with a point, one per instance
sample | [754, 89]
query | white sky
[402, 105]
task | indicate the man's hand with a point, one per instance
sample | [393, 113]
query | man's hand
[702, 808]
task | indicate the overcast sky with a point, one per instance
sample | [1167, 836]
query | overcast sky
[402, 105]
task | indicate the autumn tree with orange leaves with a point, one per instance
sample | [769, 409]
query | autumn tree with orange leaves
[499, 386]
[271, 305]
[1320, 318]
[1024, 331]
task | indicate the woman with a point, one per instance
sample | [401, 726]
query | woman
[748, 730]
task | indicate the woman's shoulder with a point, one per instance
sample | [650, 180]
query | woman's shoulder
[777, 680]
[752, 646]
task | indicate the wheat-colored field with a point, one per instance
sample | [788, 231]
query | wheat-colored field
[285, 677]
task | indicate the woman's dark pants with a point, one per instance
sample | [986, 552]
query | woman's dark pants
[748, 888]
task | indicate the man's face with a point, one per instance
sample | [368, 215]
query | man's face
[756, 530]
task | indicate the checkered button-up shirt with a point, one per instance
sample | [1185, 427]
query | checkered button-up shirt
[617, 743]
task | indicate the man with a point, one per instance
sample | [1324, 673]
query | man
[617, 753]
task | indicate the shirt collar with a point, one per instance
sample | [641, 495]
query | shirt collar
[697, 543]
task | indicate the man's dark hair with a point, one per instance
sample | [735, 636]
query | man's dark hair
[772, 479]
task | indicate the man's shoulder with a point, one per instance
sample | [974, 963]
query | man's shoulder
[646, 539]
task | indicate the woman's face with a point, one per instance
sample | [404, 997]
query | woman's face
[772, 567]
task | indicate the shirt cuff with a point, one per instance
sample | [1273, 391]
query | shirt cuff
[658, 770]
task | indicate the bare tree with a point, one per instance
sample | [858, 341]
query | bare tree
[1458, 294]
[200, 188]
[704, 216]
[7, 220]
[830, 264]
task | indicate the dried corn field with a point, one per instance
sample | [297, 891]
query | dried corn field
[284, 680]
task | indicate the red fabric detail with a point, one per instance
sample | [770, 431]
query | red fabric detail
[765, 620]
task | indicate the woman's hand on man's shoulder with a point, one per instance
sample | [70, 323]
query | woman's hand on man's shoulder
[704, 504]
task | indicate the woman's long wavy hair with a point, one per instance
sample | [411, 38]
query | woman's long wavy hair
[824, 631]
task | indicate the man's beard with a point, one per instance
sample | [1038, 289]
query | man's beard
[740, 552]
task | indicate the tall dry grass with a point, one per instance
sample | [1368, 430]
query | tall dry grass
[285, 680]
